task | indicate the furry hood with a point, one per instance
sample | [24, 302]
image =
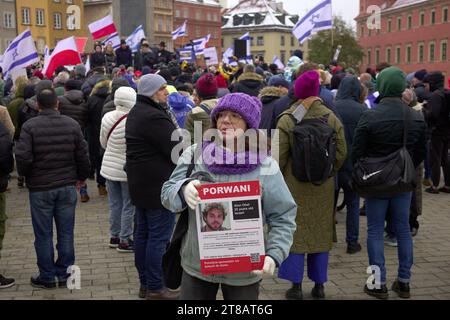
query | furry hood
[271, 92]
[250, 76]
[102, 88]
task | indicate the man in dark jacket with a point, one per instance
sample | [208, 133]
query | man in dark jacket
[419, 87]
[164, 56]
[249, 82]
[6, 166]
[350, 110]
[52, 155]
[124, 55]
[145, 57]
[98, 74]
[380, 133]
[97, 58]
[149, 165]
[95, 105]
[437, 113]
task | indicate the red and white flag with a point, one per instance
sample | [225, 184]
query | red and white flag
[102, 28]
[65, 54]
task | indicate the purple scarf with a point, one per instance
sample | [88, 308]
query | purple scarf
[229, 163]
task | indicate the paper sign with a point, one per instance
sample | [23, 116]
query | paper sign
[210, 55]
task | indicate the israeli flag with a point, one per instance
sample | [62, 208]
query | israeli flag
[114, 39]
[134, 40]
[180, 32]
[20, 53]
[200, 45]
[278, 62]
[319, 18]
[227, 55]
[248, 59]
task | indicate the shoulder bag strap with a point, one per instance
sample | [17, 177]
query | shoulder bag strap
[115, 126]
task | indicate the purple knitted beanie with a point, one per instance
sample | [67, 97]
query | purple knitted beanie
[248, 107]
[307, 85]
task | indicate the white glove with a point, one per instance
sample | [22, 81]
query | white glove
[190, 194]
[269, 267]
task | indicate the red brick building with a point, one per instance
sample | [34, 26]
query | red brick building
[414, 34]
[203, 18]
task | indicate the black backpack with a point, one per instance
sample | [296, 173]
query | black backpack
[314, 150]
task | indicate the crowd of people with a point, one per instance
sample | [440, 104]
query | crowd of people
[115, 125]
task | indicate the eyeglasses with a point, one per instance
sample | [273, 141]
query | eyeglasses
[233, 117]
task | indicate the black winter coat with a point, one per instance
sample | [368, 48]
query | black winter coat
[380, 132]
[73, 105]
[51, 152]
[350, 111]
[269, 97]
[437, 113]
[249, 83]
[6, 157]
[124, 56]
[144, 59]
[98, 60]
[90, 83]
[149, 147]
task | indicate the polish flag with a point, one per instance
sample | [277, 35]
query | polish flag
[65, 54]
[102, 28]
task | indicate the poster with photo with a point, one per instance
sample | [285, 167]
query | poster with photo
[230, 227]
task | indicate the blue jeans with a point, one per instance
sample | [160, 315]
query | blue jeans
[293, 267]
[376, 210]
[152, 234]
[121, 211]
[58, 204]
[352, 203]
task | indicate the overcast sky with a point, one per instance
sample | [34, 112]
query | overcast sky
[348, 9]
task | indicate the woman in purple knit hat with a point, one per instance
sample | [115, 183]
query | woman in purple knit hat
[234, 115]
[314, 235]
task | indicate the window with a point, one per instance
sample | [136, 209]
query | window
[57, 24]
[399, 24]
[409, 24]
[292, 42]
[389, 28]
[388, 55]
[444, 15]
[369, 57]
[283, 56]
[177, 13]
[444, 46]
[370, 32]
[26, 16]
[197, 31]
[408, 54]
[260, 41]
[282, 42]
[70, 20]
[362, 31]
[433, 17]
[397, 55]
[186, 13]
[160, 23]
[215, 18]
[39, 17]
[422, 19]
[377, 56]
[9, 22]
[421, 52]
[432, 51]
[198, 15]
[252, 43]
[208, 16]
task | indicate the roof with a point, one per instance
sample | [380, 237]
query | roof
[404, 3]
[258, 13]
[201, 2]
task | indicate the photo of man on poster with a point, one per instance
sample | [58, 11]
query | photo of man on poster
[214, 215]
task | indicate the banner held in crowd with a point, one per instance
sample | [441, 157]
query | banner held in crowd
[180, 32]
[114, 39]
[200, 45]
[319, 18]
[278, 62]
[246, 37]
[20, 53]
[65, 53]
[102, 28]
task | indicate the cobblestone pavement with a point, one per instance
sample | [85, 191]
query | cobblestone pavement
[108, 274]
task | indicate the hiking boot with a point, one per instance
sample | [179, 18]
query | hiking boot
[318, 292]
[432, 190]
[444, 190]
[414, 232]
[402, 289]
[353, 248]
[390, 241]
[114, 242]
[37, 282]
[162, 295]
[126, 247]
[427, 182]
[294, 293]
[102, 191]
[381, 293]
[142, 292]
[84, 198]
[6, 282]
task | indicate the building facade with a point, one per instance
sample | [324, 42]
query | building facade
[49, 20]
[204, 17]
[269, 25]
[8, 24]
[414, 34]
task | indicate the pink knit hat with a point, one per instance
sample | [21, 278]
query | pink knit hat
[307, 85]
